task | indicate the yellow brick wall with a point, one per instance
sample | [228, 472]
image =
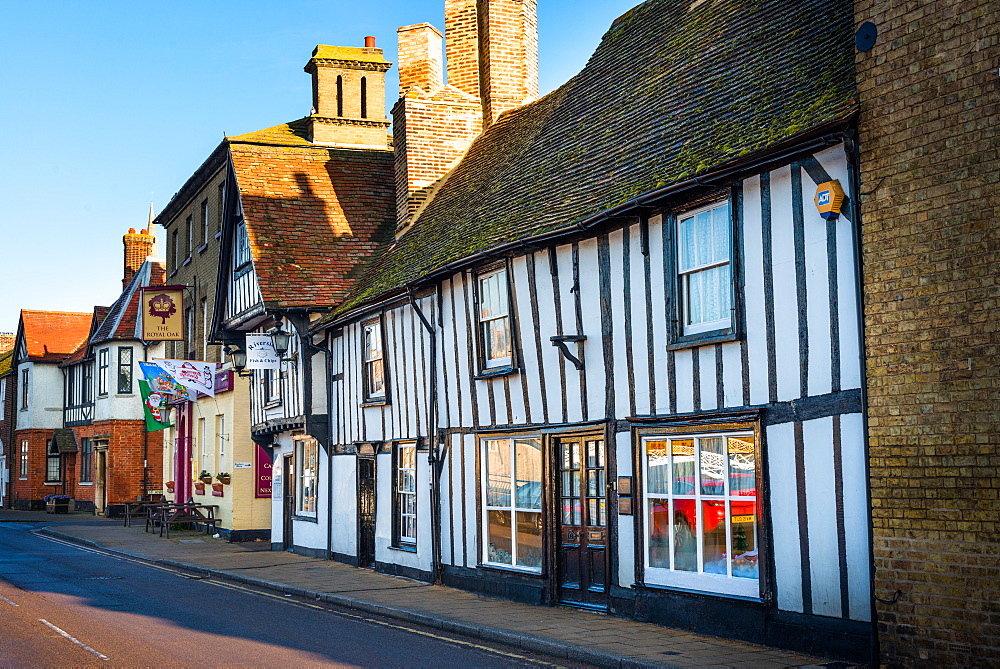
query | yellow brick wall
[931, 237]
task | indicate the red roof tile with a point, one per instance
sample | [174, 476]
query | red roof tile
[52, 335]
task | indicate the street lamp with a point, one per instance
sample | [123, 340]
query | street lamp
[239, 358]
[281, 340]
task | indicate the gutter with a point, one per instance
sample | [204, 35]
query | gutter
[835, 133]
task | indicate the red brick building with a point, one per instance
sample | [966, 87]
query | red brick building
[6, 414]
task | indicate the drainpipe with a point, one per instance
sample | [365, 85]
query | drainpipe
[433, 458]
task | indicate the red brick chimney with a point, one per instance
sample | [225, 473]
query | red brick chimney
[461, 38]
[138, 246]
[508, 55]
[419, 60]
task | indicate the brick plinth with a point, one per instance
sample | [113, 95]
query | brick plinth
[928, 134]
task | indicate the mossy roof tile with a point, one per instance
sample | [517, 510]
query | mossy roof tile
[670, 93]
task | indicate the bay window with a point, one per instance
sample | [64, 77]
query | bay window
[701, 512]
[512, 502]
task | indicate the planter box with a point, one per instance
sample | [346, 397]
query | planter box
[57, 507]
[216, 490]
[199, 488]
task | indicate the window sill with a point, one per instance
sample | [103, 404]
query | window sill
[272, 404]
[702, 339]
[186, 262]
[121, 394]
[53, 483]
[403, 549]
[85, 483]
[374, 403]
[495, 372]
[523, 571]
[201, 249]
[172, 274]
[307, 519]
[218, 235]
[700, 593]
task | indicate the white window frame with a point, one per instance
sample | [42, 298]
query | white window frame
[684, 274]
[3, 397]
[204, 328]
[204, 222]
[23, 468]
[49, 458]
[404, 495]
[372, 356]
[25, 388]
[103, 369]
[700, 580]
[306, 476]
[241, 246]
[130, 367]
[220, 434]
[86, 460]
[484, 320]
[508, 442]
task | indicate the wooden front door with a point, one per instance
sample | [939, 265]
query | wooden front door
[366, 512]
[582, 512]
[100, 477]
[288, 497]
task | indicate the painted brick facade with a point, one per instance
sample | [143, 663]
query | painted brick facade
[928, 135]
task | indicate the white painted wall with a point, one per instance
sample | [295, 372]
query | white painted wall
[45, 396]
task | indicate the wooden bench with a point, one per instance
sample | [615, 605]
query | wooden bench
[191, 513]
[141, 507]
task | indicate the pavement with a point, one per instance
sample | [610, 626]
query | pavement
[572, 634]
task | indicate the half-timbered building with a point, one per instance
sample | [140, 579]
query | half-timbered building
[611, 359]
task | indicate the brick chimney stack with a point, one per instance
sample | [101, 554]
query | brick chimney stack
[508, 55]
[461, 38]
[420, 63]
[6, 341]
[138, 246]
[348, 85]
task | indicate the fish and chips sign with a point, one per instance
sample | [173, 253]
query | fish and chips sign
[163, 313]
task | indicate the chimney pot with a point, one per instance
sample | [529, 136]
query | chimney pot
[370, 42]
[131, 231]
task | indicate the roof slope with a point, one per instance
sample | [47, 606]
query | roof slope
[6, 363]
[315, 217]
[121, 320]
[672, 91]
[50, 336]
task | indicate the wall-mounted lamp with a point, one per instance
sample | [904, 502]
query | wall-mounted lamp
[281, 340]
[239, 359]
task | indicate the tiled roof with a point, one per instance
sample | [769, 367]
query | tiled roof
[50, 336]
[6, 362]
[295, 133]
[315, 217]
[121, 320]
[675, 89]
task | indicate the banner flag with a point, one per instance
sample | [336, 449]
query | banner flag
[162, 310]
[195, 375]
[161, 382]
[261, 353]
[153, 406]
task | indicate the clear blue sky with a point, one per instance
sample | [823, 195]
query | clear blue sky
[108, 104]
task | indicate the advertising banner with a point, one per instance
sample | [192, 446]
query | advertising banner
[263, 473]
[261, 353]
[192, 374]
[161, 381]
[154, 406]
[162, 310]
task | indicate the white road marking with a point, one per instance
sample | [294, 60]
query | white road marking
[73, 639]
[4, 599]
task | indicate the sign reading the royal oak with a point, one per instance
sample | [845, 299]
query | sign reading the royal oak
[163, 313]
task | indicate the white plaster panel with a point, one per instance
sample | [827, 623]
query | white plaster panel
[784, 516]
[821, 509]
[857, 521]
[753, 293]
[786, 321]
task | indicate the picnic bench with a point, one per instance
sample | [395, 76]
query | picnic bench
[164, 515]
[141, 507]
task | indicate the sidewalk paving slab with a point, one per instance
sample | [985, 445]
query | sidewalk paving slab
[571, 634]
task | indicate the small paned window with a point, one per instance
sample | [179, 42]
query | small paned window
[189, 332]
[71, 386]
[86, 394]
[222, 202]
[190, 235]
[374, 364]
[24, 389]
[204, 328]
[702, 512]
[405, 497]
[494, 320]
[3, 397]
[204, 222]
[86, 460]
[241, 249]
[270, 382]
[175, 249]
[102, 371]
[704, 269]
[220, 435]
[206, 447]
[125, 370]
[512, 502]
[306, 475]
[23, 469]
[53, 463]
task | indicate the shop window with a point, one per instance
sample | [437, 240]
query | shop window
[306, 476]
[512, 502]
[86, 460]
[494, 321]
[374, 362]
[702, 513]
[405, 495]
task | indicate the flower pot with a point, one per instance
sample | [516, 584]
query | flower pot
[57, 507]
[199, 488]
[206, 479]
[170, 486]
[216, 490]
[226, 480]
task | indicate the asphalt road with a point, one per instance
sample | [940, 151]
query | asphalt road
[63, 605]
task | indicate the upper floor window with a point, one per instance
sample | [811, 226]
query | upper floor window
[175, 249]
[704, 269]
[3, 397]
[102, 371]
[125, 370]
[222, 201]
[374, 364]
[494, 320]
[190, 235]
[241, 247]
[204, 222]
[270, 381]
[87, 392]
[24, 389]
